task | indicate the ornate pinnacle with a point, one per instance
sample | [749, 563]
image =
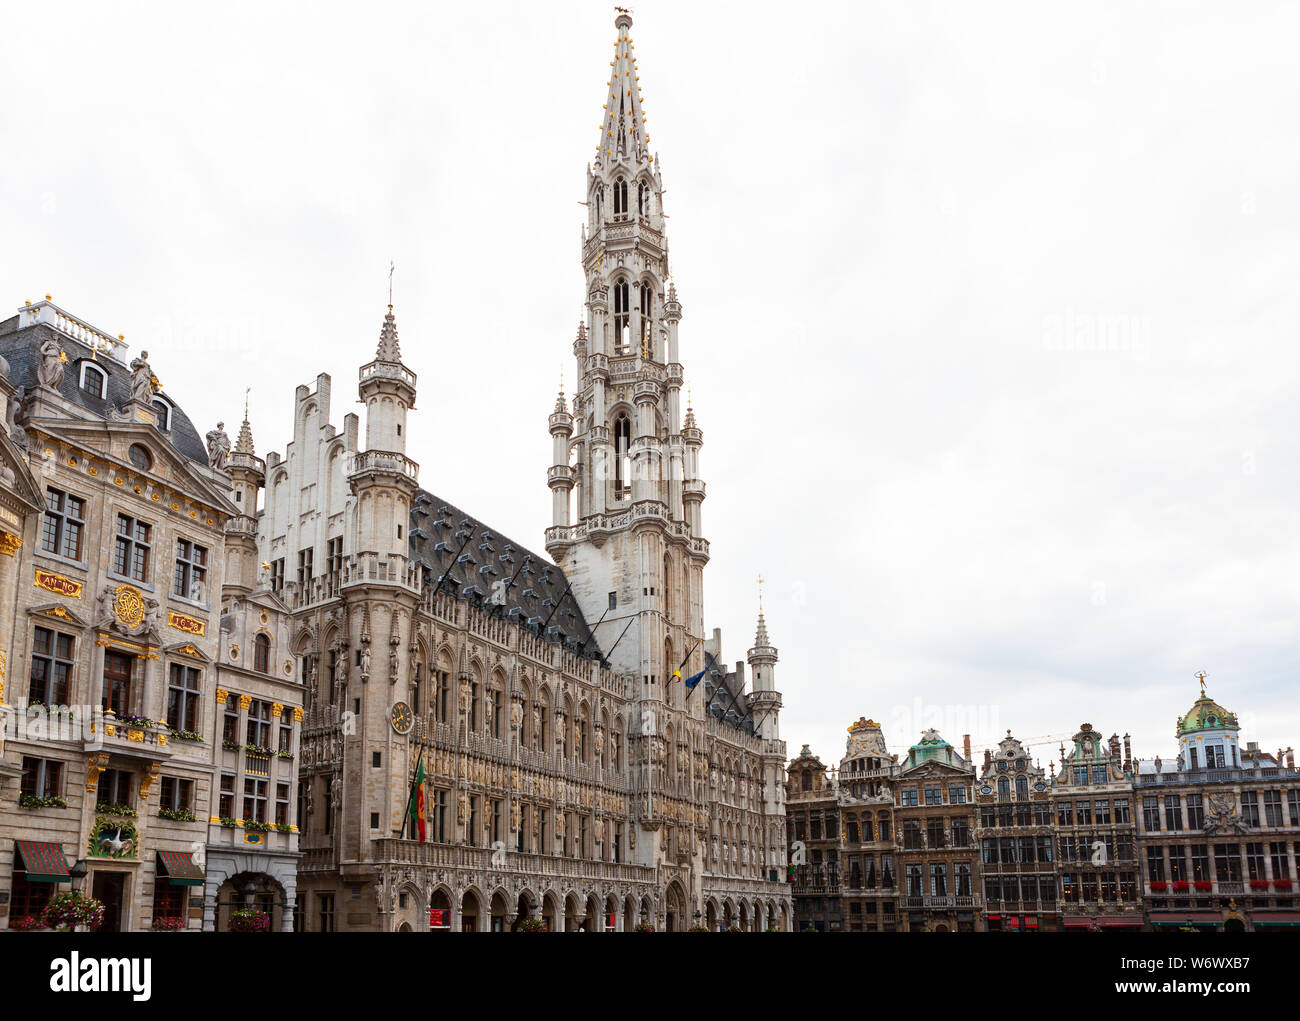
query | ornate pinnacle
[389, 350]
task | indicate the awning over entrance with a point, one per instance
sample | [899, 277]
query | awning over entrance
[179, 868]
[43, 861]
[1119, 922]
[1185, 918]
[1078, 922]
[1276, 917]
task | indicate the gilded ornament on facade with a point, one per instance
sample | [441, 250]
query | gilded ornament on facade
[128, 606]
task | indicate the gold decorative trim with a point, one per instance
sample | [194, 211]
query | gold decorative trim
[245, 701]
[10, 543]
[297, 715]
[222, 694]
[190, 625]
[58, 583]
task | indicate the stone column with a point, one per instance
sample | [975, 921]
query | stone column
[10, 543]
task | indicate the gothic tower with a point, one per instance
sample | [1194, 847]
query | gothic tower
[625, 479]
[247, 477]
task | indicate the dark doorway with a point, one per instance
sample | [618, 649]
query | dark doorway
[108, 888]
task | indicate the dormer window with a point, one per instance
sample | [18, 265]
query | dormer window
[140, 457]
[93, 380]
[164, 413]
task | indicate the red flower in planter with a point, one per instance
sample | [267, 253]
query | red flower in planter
[1159, 886]
[1259, 884]
[1180, 884]
[1203, 884]
[1281, 884]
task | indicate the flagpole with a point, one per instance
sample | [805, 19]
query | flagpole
[605, 658]
[591, 632]
[410, 801]
[712, 660]
[554, 608]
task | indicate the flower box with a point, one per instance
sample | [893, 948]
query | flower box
[1180, 885]
[125, 811]
[31, 801]
[73, 910]
[1203, 885]
[1281, 884]
[532, 925]
[1259, 884]
[231, 746]
[169, 924]
[1158, 886]
[187, 735]
[27, 923]
[228, 822]
[177, 814]
[253, 826]
[249, 920]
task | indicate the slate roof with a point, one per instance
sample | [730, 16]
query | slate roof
[22, 349]
[725, 693]
[491, 564]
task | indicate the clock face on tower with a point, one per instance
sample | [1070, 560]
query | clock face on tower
[401, 717]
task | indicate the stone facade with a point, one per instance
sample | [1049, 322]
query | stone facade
[1219, 829]
[1017, 842]
[1096, 840]
[841, 824]
[111, 571]
[570, 774]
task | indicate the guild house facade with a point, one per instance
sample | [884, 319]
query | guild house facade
[570, 777]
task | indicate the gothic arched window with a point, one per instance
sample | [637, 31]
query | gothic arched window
[643, 199]
[1004, 788]
[620, 199]
[647, 341]
[622, 459]
[622, 317]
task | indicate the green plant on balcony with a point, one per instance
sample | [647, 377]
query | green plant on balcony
[284, 827]
[125, 811]
[231, 746]
[284, 755]
[128, 720]
[49, 801]
[187, 735]
[228, 822]
[255, 749]
[177, 814]
[257, 826]
[171, 924]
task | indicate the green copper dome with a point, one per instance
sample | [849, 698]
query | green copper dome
[1206, 714]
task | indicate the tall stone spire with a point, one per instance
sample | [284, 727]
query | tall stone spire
[623, 127]
[389, 350]
[624, 470]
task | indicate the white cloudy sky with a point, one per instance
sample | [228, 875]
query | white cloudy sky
[896, 230]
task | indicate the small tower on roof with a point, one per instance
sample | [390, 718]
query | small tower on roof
[247, 477]
[765, 700]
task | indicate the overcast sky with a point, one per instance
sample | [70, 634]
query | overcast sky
[990, 309]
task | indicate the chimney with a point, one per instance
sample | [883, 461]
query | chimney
[965, 747]
[1128, 755]
[988, 760]
[1290, 758]
[1114, 747]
